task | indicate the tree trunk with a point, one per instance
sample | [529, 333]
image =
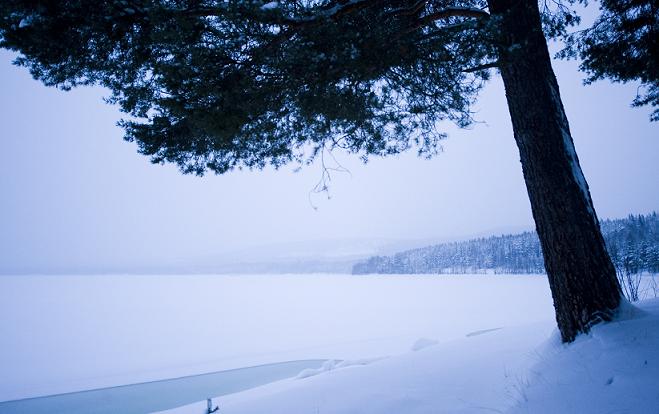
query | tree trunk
[581, 275]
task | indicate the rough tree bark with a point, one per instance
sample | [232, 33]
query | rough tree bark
[581, 275]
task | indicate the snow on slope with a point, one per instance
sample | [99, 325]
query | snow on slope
[615, 369]
[515, 370]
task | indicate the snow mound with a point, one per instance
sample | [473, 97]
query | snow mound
[422, 343]
[332, 364]
[614, 369]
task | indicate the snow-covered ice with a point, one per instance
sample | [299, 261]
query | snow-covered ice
[70, 333]
[515, 370]
[403, 344]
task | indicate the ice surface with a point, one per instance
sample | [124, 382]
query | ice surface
[157, 395]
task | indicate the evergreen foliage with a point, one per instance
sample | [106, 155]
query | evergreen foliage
[622, 45]
[216, 85]
[633, 244]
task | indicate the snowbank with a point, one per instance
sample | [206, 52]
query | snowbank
[615, 369]
[516, 370]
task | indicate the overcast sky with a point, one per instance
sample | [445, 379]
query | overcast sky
[75, 196]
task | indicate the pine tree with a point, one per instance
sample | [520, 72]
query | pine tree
[217, 85]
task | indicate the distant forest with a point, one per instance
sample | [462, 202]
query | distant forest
[633, 244]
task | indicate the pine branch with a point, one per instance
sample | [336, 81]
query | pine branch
[482, 67]
[340, 9]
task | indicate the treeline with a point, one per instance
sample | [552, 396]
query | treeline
[633, 244]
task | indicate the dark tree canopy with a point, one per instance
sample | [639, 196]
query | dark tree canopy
[218, 85]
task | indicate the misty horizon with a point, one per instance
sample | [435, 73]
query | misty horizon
[77, 198]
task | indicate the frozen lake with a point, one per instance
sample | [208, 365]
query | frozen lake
[158, 395]
[65, 334]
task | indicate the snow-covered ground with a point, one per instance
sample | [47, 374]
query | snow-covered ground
[69, 333]
[515, 370]
[396, 344]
